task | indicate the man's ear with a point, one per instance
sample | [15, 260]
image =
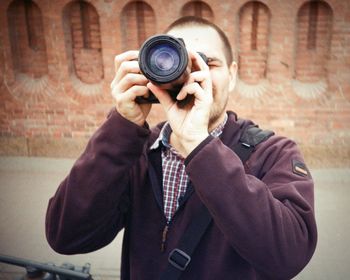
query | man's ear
[233, 75]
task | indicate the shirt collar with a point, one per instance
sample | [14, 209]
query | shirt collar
[164, 135]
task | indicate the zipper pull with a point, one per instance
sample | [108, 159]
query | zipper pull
[164, 236]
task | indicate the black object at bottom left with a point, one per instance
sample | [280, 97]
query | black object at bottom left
[48, 271]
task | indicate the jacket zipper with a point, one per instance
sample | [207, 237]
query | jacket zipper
[164, 237]
[166, 229]
[167, 226]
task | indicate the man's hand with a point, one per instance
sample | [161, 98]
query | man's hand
[189, 123]
[127, 84]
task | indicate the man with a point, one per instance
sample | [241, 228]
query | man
[153, 182]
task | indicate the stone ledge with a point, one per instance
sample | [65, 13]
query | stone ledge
[13, 146]
[325, 156]
[42, 146]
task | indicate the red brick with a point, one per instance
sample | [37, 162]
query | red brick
[281, 56]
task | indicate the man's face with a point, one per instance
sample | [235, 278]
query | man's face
[206, 40]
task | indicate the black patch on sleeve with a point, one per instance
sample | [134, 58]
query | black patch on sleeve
[300, 168]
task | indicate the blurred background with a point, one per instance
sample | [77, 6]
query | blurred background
[56, 65]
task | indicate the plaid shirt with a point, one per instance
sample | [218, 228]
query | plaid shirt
[175, 179]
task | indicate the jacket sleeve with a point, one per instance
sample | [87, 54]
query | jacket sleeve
[91, 203]
[268, 218]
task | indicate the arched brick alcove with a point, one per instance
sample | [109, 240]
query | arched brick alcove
[28, 50]
[138, 22]
[314, 24]
[253, 49]
[83, 46]
[198, 9]
[27, 38]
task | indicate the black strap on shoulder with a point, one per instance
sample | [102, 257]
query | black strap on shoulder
[251, 137]
[180, 257]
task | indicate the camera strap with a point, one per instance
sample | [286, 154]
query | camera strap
[180, 257]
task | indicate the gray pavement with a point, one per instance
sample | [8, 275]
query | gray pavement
[26, 184]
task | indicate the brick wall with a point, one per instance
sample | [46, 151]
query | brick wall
[56, 64]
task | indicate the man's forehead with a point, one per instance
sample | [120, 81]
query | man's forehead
[199, 38]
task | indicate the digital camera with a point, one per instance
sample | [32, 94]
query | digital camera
[163, 59]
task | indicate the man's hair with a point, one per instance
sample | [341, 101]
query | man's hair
[197, 21]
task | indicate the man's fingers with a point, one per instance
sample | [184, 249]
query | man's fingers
[192, 89]
[137, 90]
[126, 56]
[201, 77]
[131, 94]
[131, 79]
[162, 95]
[125, 63]
[197, 61]
[127, 67]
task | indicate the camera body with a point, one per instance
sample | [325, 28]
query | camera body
[163, 59]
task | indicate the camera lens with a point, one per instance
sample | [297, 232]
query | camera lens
[163, 59]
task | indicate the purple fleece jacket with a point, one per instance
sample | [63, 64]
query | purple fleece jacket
[263, 218]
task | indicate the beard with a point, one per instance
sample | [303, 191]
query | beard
[219, 106]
